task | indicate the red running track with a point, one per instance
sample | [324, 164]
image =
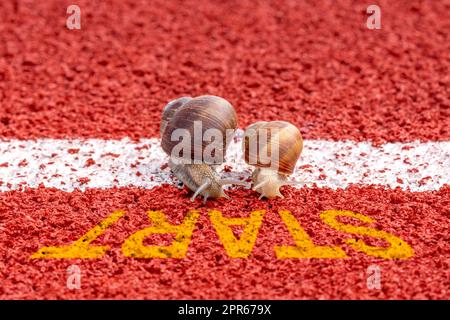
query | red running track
[313, 63]
[46, 217]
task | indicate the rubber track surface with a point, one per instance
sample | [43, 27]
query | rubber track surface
[312, 62]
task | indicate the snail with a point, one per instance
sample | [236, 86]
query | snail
[205, 125]
[273, 148]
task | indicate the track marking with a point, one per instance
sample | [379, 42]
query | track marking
[81, 249]
[134, 247]
[79, 164]
[304, 247]
[242, 247]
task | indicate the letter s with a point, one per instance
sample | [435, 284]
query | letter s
[398, 249]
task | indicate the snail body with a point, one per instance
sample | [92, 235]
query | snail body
[200, 178]
[205, 125]
[273, 148]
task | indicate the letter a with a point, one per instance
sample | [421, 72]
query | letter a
[374, 21]
[74, 20]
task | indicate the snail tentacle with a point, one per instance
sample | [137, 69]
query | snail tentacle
[268, 183]
[201, 189]
[259, 185]
[224, 195]
[224, 182]
[205, 198]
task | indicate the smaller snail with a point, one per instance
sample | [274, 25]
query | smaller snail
[273, 148]
[208, 123]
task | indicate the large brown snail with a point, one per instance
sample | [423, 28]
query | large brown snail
[195, 133]
[273, 148]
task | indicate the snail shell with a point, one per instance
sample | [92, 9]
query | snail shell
[169, 110]
[209, 112]
[198, 114]
[274, 149]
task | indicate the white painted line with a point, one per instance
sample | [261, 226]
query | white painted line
[94, 163]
